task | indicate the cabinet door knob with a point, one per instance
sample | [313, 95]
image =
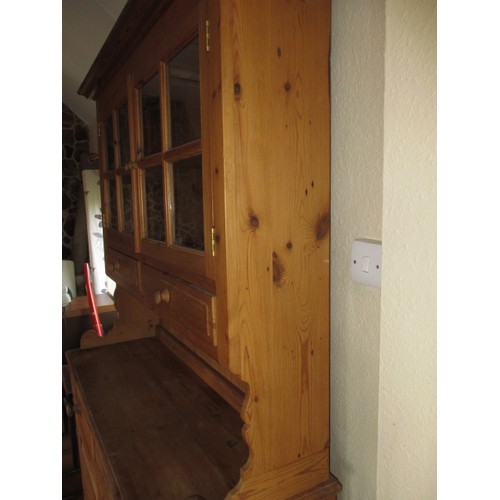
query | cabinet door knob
[162, 296]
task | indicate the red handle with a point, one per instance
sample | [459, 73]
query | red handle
[93, 309]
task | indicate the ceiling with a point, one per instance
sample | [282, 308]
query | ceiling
[85, 27]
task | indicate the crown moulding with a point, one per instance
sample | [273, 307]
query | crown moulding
[133, 24]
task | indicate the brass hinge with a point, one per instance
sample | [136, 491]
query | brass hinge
[213, 241]
[207, 35]
[99, 130]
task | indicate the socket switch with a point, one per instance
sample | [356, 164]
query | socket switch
[366, 262]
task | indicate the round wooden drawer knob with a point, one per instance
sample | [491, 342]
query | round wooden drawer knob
[114, 266]
[162, 296]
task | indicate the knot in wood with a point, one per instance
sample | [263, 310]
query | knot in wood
[322, 226]
[253, 221]
[278, 271]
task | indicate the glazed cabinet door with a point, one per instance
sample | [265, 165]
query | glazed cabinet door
[116, 163]
[173, 169]
[155, 158]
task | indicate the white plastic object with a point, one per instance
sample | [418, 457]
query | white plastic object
[366, 262]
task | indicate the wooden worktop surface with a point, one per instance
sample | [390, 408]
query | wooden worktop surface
[79, 306]
[166, 434]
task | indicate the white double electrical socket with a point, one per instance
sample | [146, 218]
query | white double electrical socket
[366, 262]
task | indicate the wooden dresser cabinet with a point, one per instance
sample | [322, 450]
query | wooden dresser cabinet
[214, 137]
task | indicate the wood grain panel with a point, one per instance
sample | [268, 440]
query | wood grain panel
[277, 164]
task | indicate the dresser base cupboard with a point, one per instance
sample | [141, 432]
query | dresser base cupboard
[214, 150]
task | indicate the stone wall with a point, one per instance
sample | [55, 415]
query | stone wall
[75, 143]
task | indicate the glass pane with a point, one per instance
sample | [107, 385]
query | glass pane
[188, 203]
[123, 134]
[110, 152]
[151, 121]
[184, 86]
[155, 211]
[113, 211]
[128, 218]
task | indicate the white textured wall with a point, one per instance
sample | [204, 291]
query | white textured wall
[407, 407]
[384, 186]
[357, 69]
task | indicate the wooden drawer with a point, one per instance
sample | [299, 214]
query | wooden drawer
[186, 311]
[97, 481]
[97, 478]
[122, 269]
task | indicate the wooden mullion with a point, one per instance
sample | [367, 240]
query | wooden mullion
[116, 137]
[135, 146]
[119, 202]
[150, 161]
[165, 106]
[141, 208]
[168, 193]
[184, 151]
[108, 175]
